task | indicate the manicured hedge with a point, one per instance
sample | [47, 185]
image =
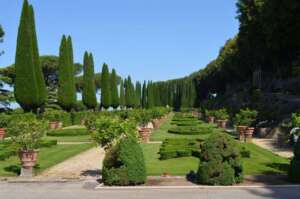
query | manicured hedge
[220, 161]
[68, 132]
[124, 164]
[190, 130]
[175, 148]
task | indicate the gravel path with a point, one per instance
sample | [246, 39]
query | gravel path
[85, 165]
[269, 144]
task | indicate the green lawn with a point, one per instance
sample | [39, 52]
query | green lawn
[81, 138]
[47, 158]
[177, 166]
[262, 161]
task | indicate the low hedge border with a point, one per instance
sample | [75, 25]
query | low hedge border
[67, 132]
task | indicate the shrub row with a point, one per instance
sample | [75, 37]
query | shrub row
[68, 132]
[190, 130]
[175, 148]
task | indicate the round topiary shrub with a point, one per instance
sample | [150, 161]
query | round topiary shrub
[220, 161]
[294, 170]
[124, 164]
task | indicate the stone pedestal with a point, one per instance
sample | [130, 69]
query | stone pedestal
[26, 172]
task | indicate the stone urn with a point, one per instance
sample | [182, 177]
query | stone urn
[211, 119]
[156, 123]
[28, 158]
[53, 125]
[222, 123]
[241, 130]
[249, 134]
[144, 134]
[2, 133]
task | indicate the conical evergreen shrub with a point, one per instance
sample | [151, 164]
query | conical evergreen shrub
[89, 88]
[114, 89]
[66, 79]
[30, 91]
[105, 87]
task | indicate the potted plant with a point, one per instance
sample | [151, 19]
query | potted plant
[3, 124]
[143, 118]
[243, 121]
[210, 115]
[26, 135]
[156, 115]
[55, 118]
[222, 117]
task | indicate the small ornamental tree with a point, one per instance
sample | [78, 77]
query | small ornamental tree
[30, 90]
[89, 88]
[294, 170]
[114, 89]
[66, 81]
[105, 87]
[220, 161]
[122, 95]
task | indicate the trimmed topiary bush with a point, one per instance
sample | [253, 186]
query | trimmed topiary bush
[68, 132]
[220, 161]
[190, 130]
[124, 164]
[294, 170]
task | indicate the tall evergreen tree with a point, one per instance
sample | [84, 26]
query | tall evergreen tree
[144, 95]
[66, 81]
[122, 95]
[114, 89]
[29, 90]
[105, 87]
[129, 93]
[150, 96]
[89, 89]
[138, 94]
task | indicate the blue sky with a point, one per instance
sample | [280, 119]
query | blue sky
[147, 39]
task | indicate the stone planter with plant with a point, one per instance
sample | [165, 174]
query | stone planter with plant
[243, 121]
[3, 124]
[210, 115]
[222, 117]
[143, 118]
[27, 135]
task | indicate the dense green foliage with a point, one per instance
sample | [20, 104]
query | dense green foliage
[138, 94]
[220, 161]
[114, 89]
[105, 87]
[30, 90]
[122, 94]
[129, 93]
[175, 148]
[294, 171]
[124, 164]
[89, 88]
[66, 80]
[67, 132]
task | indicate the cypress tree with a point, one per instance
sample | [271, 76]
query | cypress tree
[105, 90]
[89, 89]
[66, 81]
[29, 88]
[138, 94]
[114, 89]
[129, 93]
[144, 95]
[150, 97]
[122, 95]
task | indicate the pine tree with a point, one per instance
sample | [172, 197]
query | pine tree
[66, 81]
[114, 89]
[122, 95]
[89, 89]
[144, 95]
[29, 89]
[105, 88]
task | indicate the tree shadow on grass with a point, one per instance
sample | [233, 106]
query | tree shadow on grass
[16, 169]
[281, 167]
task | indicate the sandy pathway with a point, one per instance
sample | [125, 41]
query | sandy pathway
[269, 144]
[85, 165]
